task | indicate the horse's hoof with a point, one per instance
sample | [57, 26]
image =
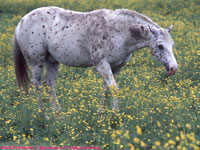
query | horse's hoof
[115, 109]
[60, 115]
[100, 110]
[58, 112]
[47, 117]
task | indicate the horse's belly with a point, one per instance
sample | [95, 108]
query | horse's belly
[75, 57]
[77, 61]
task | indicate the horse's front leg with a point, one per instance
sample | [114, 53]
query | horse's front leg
[103, 98]
[103, 67]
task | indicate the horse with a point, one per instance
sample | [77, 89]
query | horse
[101, 38]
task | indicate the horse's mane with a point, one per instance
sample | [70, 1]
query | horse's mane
[132, 13]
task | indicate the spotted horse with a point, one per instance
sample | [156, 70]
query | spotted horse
[101, 38]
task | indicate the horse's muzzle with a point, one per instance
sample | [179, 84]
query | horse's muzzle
[172, 70]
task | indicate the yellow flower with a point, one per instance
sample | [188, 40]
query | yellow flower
[117, 142]
[76, 90]
[188, 126]
[118, 132]
[153, 147]
[14, 138]
[143, 144]
[131, 146]
[184, 148]
[139, 130]
[158, 123]
[113, 135]
[136, 140]
[11, 130]
[27, 142]
[46, 139]
[61, 144]
[157, 143]
[171, 142]
[126, 134]
[168, 135]
[8, 121]
[182, 135]
[178, 125]
[177, 138]
[18, 141]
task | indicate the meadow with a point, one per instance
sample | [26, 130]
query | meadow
[156, 111]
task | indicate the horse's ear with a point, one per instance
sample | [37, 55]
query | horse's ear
[170, 28]
[154, 31]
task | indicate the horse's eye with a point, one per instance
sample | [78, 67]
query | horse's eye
[160, 47]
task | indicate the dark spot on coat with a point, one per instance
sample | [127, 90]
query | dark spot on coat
[142, 28]
[63, 28]
[104, 37]
[43, 26]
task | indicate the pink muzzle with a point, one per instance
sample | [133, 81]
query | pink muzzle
[172, 70]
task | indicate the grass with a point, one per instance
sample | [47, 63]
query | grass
[156, 112]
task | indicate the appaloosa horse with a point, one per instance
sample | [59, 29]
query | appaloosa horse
[103, 38]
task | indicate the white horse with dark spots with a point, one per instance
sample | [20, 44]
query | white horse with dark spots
[102, 38]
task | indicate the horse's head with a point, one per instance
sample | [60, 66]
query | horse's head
[161, 48]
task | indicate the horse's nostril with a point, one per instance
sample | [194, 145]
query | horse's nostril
[174, 69]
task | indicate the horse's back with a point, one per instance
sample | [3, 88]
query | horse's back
[64, 34]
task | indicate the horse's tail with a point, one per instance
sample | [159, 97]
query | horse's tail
[21, 67]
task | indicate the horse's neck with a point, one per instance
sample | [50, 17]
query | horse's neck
[131, 43]
[134, 43]
[138, 45]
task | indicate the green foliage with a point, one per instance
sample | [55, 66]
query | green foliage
[156, 112]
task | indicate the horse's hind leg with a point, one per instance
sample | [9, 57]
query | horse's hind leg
[37, 80]
[52, 67]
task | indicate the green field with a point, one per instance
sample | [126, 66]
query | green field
[156, 112]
